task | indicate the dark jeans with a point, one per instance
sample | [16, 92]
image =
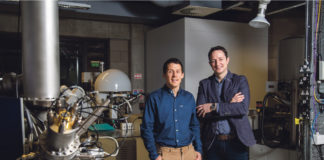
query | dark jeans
[227, 150]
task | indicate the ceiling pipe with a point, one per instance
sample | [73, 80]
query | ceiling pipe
[285, 9]
[234, 5]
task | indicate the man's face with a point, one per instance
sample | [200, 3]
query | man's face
[173, 75]
[218, 62]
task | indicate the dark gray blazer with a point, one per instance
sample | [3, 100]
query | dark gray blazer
[235, 113]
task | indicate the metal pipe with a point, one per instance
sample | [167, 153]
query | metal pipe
[285, 9]
[86, 124]
[293, 107]
[306, 30]
[77, 69]
[310, 29]
[40, 47]
[234, 6]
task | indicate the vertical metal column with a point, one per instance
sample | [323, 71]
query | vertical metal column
[312, 152]
[306, 139]
[294, 105]
[40, 47]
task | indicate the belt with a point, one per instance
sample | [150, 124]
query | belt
[225, 137]
[173, 149]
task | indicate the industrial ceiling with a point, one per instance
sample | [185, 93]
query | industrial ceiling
[156, 13]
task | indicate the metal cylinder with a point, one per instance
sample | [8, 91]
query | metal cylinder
[61, 141]
[59, 146]
[40, 47]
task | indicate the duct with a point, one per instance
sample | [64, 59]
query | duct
[198, 8]
[166, 3]
[40, 47]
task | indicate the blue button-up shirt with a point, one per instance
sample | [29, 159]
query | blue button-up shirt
[222, 126]
[170, 121]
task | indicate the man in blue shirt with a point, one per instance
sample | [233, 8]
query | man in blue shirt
[170, 128]
[223, 104]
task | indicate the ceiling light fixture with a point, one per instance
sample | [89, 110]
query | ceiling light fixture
[259, 21]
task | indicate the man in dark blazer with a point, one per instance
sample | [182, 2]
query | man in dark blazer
[222, 106]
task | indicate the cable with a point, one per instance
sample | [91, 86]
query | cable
[101, 116]
[30, 124]
[315, 97]
[115, 153]
[97, 138]
[320, 101]
[86, 100]
[129, 105]
[263, 110]
[315, 68]
[95, 107]
[263, 137]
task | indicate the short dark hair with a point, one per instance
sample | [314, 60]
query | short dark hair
[217, 48]
[171, 60]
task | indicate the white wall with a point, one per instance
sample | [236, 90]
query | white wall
[247, 48]
[190, 39]
[163, 43]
